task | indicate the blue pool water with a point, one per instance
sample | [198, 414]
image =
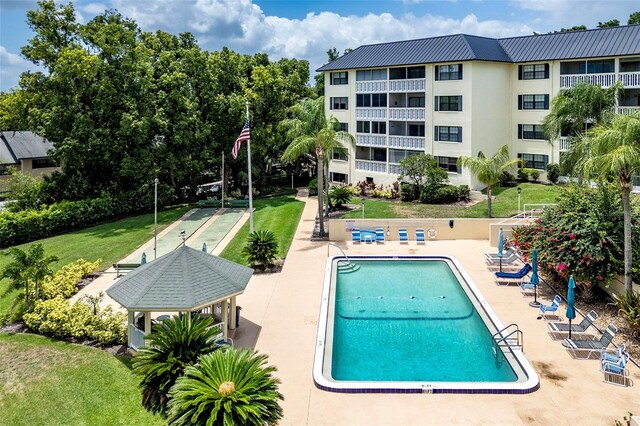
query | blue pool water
[410, 320]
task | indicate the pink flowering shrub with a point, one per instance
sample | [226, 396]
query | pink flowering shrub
[582, 235]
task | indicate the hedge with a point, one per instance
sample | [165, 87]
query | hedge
[29, 225]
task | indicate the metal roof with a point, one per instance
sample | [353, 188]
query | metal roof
[601, 42]
[180, 280]
[16, 146]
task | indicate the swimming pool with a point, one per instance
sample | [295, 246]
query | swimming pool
[412, 324]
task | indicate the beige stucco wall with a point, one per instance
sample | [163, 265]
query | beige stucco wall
[469, 229]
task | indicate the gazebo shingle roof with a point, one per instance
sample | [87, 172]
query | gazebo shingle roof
[181, 280]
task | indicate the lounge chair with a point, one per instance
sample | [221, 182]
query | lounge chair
[563, 328]
[507, 278]
[403, 236]
[355, 235]
[551, 309]
[613, 357]
[379, 235]
[527, 288]
[493, 257]
[420, 236]
[615, 372]
[590, 347]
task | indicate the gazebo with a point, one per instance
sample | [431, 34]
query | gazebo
[183, 281]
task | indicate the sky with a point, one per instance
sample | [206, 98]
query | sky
[307, 29]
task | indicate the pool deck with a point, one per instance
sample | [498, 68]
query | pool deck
[280, 318]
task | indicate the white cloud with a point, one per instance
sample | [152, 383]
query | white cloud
[567, 13]
[12, 65]
[93, 9]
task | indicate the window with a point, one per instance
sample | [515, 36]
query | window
[338, 177]
[3, 170]
[416, 129]
[41, 163]
[534, 161]
[449, 72]
[368, 75]
[448, 103]
[378, 127]
[447, 134]
[363, 126]
[530, 131]
[533, 101]
[339, 155]
[416, 101]
[340, 103]
[395, 155]
[369, 100]
[587, 67]
[450, 164]
[341, 77]
[533, 72]
[397, 73]
[415, 72]
[344, 127]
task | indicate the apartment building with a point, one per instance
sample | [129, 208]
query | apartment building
[456, 95]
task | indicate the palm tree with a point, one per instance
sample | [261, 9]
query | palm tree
[27, 267]
[228, 387]
[489, 170]
[311, 131]
[612, 151]
[173, 345]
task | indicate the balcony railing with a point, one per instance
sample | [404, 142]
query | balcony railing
[371, 140]
[371, 166]
[406, 142]
[564, 144]
[406, 114]
[394, 168]
[630, 79]
[410, 85]
[377, 113]
[371, 86]
[627, 110]
[604, 80]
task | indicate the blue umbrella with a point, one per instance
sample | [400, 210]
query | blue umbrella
[571, 300]
[500, 246]
[535, 280]
[204, 247]
[144, 258]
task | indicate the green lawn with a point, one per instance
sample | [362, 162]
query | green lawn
[109, 241]
[278, 214]
[505, 204]
[47, 382]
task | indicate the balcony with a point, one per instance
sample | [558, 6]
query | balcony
[413, 114]
[604, 80]
[564, 144]
[375, 113]
[394, 168]
[627, 110]
[371, 86]
[630, 79]
[410, 85]
[406, 142]
[371, 166]
[371, 140]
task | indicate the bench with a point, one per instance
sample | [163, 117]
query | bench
[124, 267]
[210, 203]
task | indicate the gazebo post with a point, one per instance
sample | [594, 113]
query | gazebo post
[225, 318]
[189, 318]
[147, 324]
[232, 319]
[130, 319]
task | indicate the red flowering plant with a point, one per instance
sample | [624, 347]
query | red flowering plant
[581, 235]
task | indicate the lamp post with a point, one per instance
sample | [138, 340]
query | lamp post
[157, 141]
[519, 192]
[363, 207]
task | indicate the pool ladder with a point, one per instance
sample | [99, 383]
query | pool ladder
[509, 336]
[346, 265]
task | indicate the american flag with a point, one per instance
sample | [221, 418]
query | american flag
[245, 135]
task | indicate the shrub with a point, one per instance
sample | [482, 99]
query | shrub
[507, 179]
[407, 191]
[261, 249]
[553, 173]
[445, 194]
[55, 317]
[628, 306]
[534, 175]
[523, 174]
[340, 195]
[313, 186]
[63, 283]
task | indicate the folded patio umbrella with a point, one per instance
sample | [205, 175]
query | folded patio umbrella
[571, 300]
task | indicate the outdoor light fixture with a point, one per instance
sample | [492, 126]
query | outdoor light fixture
[451, 223]
[363, 199]
[157, 141]
[519, 192]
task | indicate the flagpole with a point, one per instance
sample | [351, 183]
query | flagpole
[222, 205]
[246, 104]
